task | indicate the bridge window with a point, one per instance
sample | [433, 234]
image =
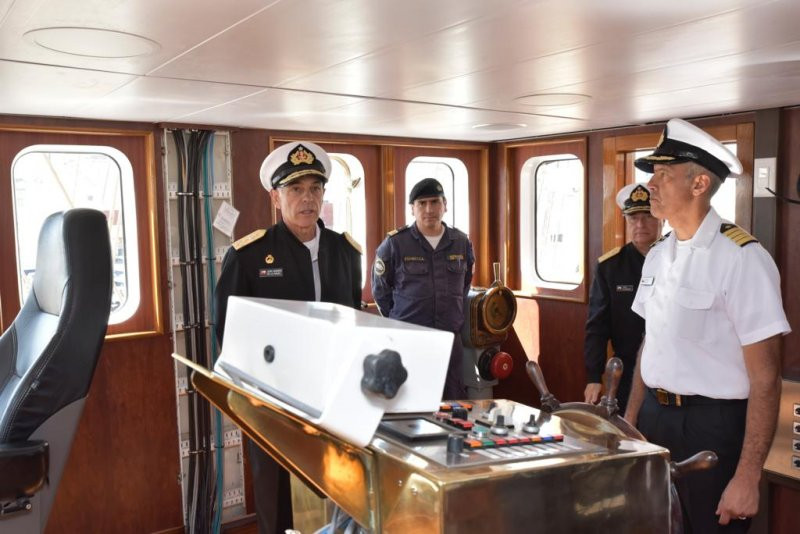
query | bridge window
[452, 174]
[344, 208]
[552, 222]
[51, 178]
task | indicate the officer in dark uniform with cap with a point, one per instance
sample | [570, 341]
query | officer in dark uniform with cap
[296, 259]
[708, 375]
[422, 274]
[613, 288]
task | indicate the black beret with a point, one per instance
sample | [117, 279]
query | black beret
[429, 187]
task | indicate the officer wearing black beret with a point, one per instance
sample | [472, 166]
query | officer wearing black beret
[296, 259]
[614, 284]
[422, 274]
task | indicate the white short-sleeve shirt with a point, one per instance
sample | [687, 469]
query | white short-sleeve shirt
[702, 300]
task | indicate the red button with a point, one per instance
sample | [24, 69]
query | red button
[501, 365]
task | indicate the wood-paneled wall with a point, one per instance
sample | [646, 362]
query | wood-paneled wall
[123, 471]
[122, 474]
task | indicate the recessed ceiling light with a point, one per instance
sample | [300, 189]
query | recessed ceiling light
[92, 42]
[552, 99]
[499, 126]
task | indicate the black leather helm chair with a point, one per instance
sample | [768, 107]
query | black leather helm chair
[47, 359]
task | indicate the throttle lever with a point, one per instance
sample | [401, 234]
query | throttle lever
[611, 380]
[549, 402]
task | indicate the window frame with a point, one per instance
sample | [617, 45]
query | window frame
[127, 199]
[515, 155]
[544, 160]
[138, 146]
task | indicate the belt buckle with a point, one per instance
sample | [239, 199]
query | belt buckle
[663, 398]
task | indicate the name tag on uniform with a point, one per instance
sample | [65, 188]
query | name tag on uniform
[455, 257]
[413, 258]
[270, 273]
[648, 280]
[625, 289]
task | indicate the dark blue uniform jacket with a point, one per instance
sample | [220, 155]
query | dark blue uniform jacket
[414, 283]
[611, 318]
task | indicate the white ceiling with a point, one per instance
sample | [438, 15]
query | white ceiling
[418, 68]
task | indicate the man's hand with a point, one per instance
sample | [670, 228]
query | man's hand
[739, 500]
[592, 392]
[762, 360]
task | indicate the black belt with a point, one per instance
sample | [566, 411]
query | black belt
[667, 398]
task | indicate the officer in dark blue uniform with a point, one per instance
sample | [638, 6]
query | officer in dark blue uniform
[611, 295]
[296, 259]
[422, 274]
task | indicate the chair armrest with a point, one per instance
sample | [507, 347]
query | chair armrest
[24, 465]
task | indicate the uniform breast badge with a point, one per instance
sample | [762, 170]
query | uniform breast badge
[269, 260]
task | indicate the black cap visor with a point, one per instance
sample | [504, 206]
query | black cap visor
[671, 152]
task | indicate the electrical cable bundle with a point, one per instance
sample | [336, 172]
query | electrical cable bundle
[202, 482]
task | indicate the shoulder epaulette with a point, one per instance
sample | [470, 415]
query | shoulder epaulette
[353, 242]
[660, 239]
[736, 234]
[249, 238]
[610, 254]
[396, 231]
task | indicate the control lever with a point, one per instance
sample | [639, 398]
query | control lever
[611, 380]
[549, 402]
[699, 462]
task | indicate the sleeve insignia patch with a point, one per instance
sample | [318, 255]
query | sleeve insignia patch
[736, 234]
[380, 267]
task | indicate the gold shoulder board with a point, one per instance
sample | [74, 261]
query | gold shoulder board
[610, 254]
[660, 239]
[395, 231]
[736, 234]
[353, 242]
[249, 238]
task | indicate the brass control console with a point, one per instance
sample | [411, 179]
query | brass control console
[486, 466]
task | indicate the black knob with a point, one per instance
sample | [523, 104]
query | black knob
[460, 413]
[499, 428]
[455, 443]
[531, 427]
[383, 373]
[269, 353]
